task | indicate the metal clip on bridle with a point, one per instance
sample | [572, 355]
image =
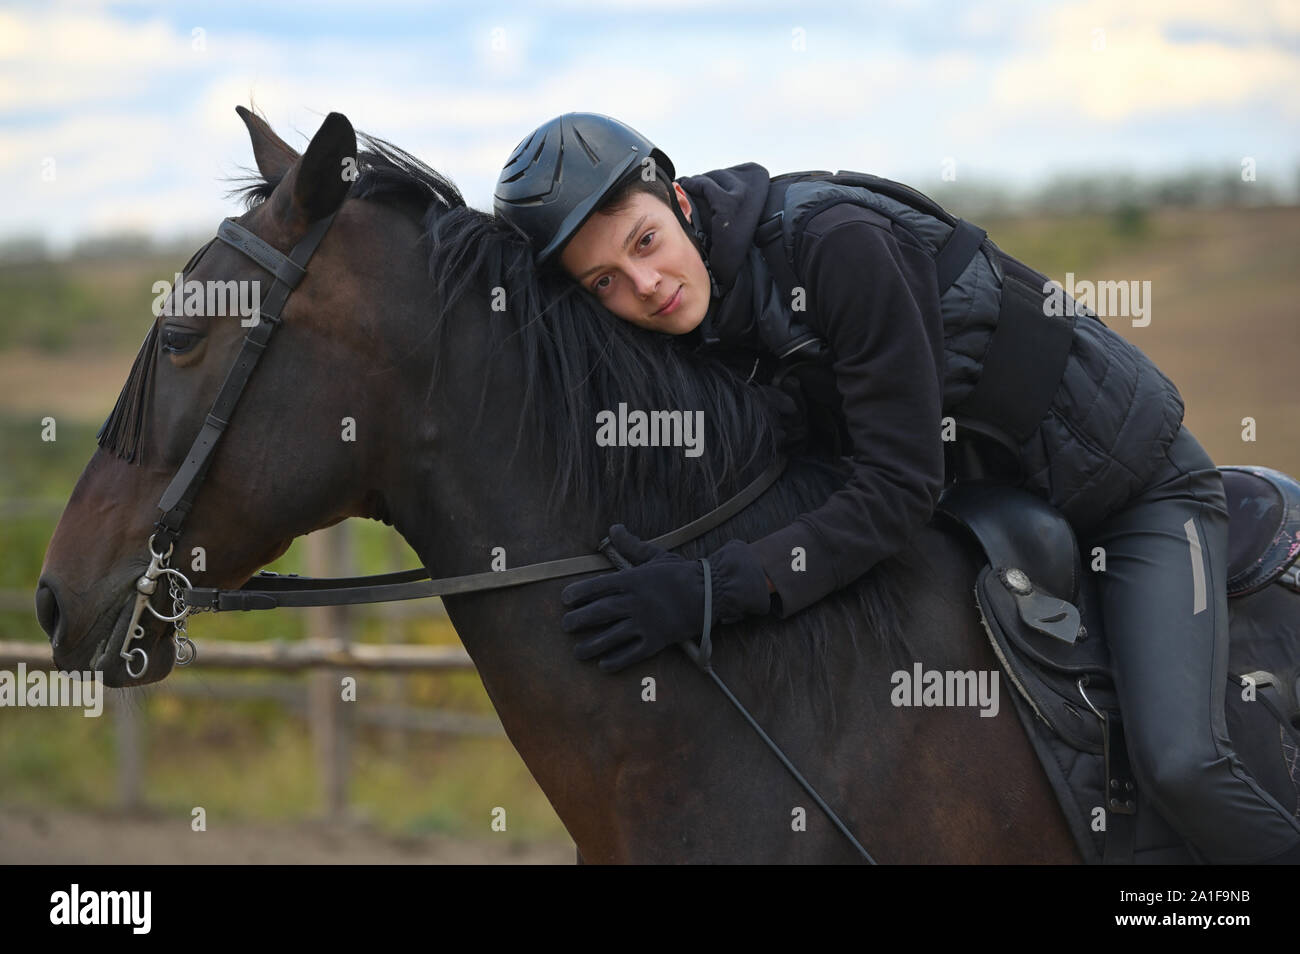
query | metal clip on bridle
[145, 588]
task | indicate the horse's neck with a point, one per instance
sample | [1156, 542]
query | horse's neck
[495, 519]
[471, 491]
[473, 509]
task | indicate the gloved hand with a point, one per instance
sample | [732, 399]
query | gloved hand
[786, 410]
[638, 612]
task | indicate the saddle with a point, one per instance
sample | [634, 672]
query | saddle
[1042, 615]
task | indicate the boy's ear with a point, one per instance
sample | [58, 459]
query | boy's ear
[684, 201]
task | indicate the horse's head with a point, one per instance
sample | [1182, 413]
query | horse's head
[306, 444]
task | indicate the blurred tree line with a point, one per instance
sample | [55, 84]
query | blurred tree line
[1119, 194]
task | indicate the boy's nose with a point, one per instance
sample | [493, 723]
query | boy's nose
[646, 280]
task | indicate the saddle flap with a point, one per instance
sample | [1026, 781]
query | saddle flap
[1052, 691]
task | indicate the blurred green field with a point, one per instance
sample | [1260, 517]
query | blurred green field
[248, 759]
[1224, 289]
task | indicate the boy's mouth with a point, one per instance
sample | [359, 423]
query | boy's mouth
[670, 305]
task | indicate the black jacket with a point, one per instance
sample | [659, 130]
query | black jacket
[899, 363]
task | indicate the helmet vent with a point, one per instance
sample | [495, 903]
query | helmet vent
[591, 153]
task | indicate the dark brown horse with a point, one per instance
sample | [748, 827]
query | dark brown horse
[475, 429]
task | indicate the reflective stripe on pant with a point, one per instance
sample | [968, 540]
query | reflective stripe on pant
[1164, 599]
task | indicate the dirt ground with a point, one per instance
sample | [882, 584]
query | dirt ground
[30, 837]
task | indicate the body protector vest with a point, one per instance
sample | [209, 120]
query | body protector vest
[1021, 364]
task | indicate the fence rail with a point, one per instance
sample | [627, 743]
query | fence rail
[333, 651]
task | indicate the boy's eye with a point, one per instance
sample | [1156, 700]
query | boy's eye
[603, 282]
[175, 341]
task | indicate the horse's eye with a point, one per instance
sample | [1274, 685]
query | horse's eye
[176, 341]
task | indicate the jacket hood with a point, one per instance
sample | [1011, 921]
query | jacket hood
[729, 203]
[726, 206]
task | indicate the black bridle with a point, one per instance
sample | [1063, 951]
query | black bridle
[288, 270]
[178, 499]
[270, 590]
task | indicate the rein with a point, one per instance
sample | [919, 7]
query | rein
[272, 590]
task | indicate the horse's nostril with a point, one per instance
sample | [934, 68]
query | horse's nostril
[47, 611]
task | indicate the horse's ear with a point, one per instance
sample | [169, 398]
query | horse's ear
[274, 156]
[327, 169]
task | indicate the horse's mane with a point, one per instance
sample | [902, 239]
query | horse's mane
[578, 359]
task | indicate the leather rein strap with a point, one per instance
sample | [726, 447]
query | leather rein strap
[270, 590]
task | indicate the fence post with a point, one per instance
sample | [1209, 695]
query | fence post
[327, 555]
[130, 754]
[395, 683]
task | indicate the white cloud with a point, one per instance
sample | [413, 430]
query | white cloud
[1139, 70]
[55, 57]
[143, 126]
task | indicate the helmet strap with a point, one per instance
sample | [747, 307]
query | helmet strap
[698, 238]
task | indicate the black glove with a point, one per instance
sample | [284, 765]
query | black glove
[785, 408]
[638, 612]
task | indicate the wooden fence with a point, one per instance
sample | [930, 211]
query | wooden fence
[332, 650]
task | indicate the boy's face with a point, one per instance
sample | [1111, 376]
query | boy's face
[640, 264]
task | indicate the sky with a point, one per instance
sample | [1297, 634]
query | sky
[121, 116]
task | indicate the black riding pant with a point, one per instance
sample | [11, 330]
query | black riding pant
[1164, 598]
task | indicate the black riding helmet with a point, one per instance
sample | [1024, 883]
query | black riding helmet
[560, 173]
